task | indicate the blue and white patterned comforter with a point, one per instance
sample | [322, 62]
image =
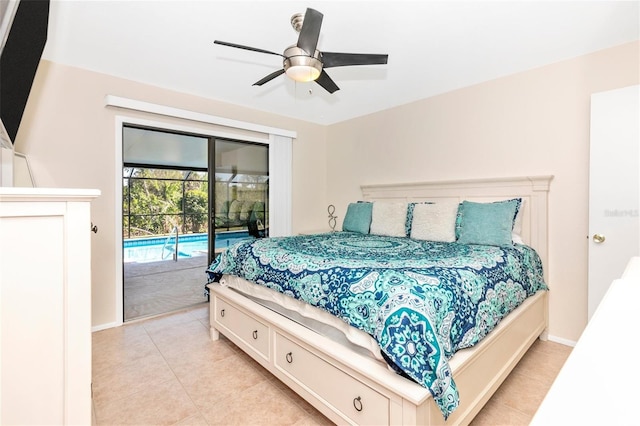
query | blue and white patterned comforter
[422, 301]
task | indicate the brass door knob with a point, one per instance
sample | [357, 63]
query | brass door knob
[598, 238]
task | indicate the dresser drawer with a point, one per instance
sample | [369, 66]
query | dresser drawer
[343, 393]
[249, 330]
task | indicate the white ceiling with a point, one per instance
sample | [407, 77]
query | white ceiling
[433, 46]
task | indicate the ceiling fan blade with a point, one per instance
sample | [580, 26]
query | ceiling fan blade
[269, 77]
[239, 46]
[310, 32]
[333, 59]
[327, 84]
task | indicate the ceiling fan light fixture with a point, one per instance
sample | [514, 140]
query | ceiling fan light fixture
[303, 73]
[301, 67]
[303, 61]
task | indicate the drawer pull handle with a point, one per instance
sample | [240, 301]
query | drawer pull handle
[222, 312]
[255, 334]
[289, 357]
[357, 403]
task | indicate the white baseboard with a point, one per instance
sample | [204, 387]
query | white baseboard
[105, 326]
[562, 341]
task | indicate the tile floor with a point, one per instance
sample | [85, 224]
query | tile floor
[166, 370]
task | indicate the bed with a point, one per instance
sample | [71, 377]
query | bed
[342, 367]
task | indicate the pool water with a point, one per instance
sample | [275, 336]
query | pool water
[154, 249]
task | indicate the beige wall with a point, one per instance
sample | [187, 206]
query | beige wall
[69, 137]
[531, 123]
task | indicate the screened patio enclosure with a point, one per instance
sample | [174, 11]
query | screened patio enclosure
[176, 215]
[156, 201]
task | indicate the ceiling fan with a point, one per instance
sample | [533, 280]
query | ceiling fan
[303, 62]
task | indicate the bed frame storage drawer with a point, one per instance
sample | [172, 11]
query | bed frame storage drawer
[247, 328]
[348, 396]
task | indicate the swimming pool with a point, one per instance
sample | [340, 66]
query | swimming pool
[153, 249]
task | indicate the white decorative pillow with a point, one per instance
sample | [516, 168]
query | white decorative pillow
[434, 222]
[388, 219]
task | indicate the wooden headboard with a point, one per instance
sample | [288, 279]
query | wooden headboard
[533, 190]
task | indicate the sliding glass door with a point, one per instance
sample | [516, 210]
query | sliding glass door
[185, 198]
[165, 223]
[240, 192]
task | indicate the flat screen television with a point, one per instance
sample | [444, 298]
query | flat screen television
[23, 34]
[7, 13]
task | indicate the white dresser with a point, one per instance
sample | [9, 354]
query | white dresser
[45, 306]
[597, 385]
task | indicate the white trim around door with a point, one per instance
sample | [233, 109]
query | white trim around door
[280, 157]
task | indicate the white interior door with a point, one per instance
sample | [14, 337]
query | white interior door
[614, 188]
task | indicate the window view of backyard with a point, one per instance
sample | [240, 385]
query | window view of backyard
[241, 206]
[167, 238]
[155, 201]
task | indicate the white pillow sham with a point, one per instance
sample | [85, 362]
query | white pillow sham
[434, 222]
[388, 218]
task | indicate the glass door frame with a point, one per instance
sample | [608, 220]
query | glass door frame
[160, 116]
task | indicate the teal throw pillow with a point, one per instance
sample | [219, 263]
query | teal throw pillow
[517, 201]
[358, 218]
[487, 223]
